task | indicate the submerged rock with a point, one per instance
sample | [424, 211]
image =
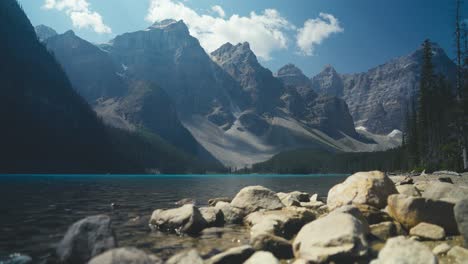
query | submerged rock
[187, 257]
[262, 257]
[461, 216]
[85, 239]
[186, 219]
[428, 231]
[254, 198]
[334, 237]
[125, 255]
[370, 188]
[233, 255]
[403, 250]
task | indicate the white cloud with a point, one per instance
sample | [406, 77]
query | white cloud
[80, 14]
[219, 10]
[315, 31]
[266, 32]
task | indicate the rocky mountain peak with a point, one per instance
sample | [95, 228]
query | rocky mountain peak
[292, 76]
[289, 70]
[238, 54]
[328, 82]
[170, 24]
[44, 32]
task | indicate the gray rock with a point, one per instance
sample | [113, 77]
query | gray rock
[185, 201]
[400, 250]
[408, 190]
[428, 231]
[354, 211]
[187, 257]
[185, 219]
[125, 255]
[231, 215]
[441, 249]
[233, 255]
[279, 246]
[262, 257]
[85, 239]
[331, 238]
[459, 254]
[214, 201]
[461, 216]
[370, 188]
[410, 211]
[254, 198]
[213, 216]
[445, 192]
[384, 230]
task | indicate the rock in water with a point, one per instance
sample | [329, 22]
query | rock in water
[461, 216]
[254, 198]
[186, 219]
[262, 257]
[85, 239]
[126, 255]
[213, 216]
[334, 237]
[233, 255]
[187, 257]
[428, 231]
[400, 250]
[410, 211]
[371, 188]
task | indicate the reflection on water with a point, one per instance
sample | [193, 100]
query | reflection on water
[36, 210]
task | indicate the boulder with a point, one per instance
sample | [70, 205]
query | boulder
[254, 198]
[408, 190]
[233, 255]
[428, 231]
[461, 216]
[293, 198]
[354, 211]
[186, 257]
[371, 188]
[335, 237]
[312, 205]
[459, 254]
[125, 255]
[384, 230]
[262, 257]
[213, 216]
[186, 219]
[185, 201]
[231, 215]
[214, 201]
[85, 239]
[279, 246]
[441, 249]
[445, 192]
[410, 211]
[403, 250]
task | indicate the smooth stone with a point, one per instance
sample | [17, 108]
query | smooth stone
[445, 192]
[214, 201]
[85, 239]
[428, 231]
[186, 219]
[408, 190]
[254, 198]
[186, 257]
[354, 211]
[441, 249]
[214, 217]
[400, 250]
[232, 215]
[459, 254]
[279, 246]
[232, 255]
[313, 198]
[125, 255]
[371, 188]
[384, 230]
[312, 205]
[410, 211]
[262, 257]
[334, 237]
[461, 216]
[372, 214]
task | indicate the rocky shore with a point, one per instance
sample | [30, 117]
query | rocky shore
[369, 218]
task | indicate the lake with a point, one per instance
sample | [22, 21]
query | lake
[36, 210]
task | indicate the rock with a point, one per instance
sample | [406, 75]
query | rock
[461, 216]
[371, 188]
[403, 250]
[285, 222]
[312, 205]
[213, 216]
[125, 255]
[185, 219]
[441, 249]
[410, 211]
[187, 257]
[445, 192]
[313, 198]
[373, 215]
[214, 201]
[288, 200]
[354, 211]
[233, 255]
[384, 230]
[279, 246]
[428, 231]
[331, 238]
[445, 179]
[232, 215]
[85, 239]
[444, 172]
[254, 198]
[421, 186]
[459, 254]
[262, 257]
[405, 181]
[408, 190]
[185, 201]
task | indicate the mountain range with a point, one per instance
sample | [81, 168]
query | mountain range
[226, 105]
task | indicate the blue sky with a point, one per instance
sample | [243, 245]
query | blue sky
[351, 35]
